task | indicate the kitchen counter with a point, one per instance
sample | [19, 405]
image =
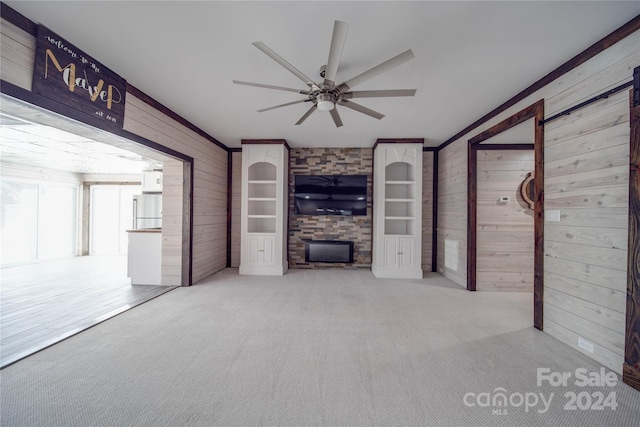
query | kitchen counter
[144, 260]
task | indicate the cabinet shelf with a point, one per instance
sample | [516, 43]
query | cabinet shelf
[261, 216]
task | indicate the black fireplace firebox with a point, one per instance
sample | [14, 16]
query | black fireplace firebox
[328, 251]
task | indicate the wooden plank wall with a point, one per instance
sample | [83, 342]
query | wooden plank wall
[236, 188]
[585, 260]
[504, 247]
[17, 56]
[586, 251]
[427, 210]
[172, 232]
[210, 181]
[452, 212]
[210, 164]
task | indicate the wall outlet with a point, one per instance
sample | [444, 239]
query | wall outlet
[585, 345]
[551, 215]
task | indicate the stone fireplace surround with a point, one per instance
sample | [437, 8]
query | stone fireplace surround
[330, 161]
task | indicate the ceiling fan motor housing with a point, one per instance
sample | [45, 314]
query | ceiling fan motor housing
[326, 101]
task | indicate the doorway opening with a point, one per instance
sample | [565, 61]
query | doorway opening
[48, 298]
[534, 112]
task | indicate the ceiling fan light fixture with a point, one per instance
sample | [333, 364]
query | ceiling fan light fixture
[326, 102]
[326, 95]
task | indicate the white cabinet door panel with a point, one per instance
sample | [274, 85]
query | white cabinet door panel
[268, 250]
[405, 253]
[254, 249]
[390, 253]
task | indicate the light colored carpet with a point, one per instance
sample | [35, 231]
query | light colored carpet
[332, 347]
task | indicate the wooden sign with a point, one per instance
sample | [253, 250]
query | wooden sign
[69, 76]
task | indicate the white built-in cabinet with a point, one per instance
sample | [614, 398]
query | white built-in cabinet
[397, 210]
[264, 209]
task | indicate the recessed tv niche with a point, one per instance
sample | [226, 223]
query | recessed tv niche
[330, 195]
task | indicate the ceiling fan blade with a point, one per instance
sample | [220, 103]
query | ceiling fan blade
[282, 105]
[361, 109]
[280, 60]
[288, 89]
[335, 52]
[379, 93]
[307, 114]
[387, 65]
[336, 117]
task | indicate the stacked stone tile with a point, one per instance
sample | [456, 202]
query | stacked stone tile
[331, 161]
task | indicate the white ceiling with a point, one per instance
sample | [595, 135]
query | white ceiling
[470, 58]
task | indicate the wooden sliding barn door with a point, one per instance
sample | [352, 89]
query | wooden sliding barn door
[631, 368]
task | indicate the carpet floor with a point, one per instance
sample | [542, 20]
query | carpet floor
[317, 347]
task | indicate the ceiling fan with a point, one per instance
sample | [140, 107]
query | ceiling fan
[327, 95]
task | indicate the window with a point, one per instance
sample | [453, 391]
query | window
[111, 217]
[38, 221]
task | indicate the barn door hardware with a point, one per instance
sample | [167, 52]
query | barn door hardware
[604, 95]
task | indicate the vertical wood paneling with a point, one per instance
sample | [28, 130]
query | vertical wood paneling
[504, 261]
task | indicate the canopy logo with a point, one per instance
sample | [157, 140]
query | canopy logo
[580, 390]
